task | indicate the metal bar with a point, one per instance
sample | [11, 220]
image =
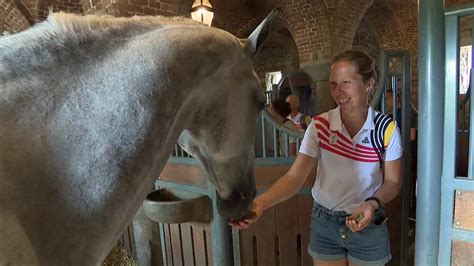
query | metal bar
[163, 244]
[287, 145]
[183, 187]
[463, 235]
[463, 117]
[470, 169]
[449, 139]
[382, 102]
[430, 102]
[406, 161]
[264, 138]
[460, 10]
[382, 83]
[461, 183]
[184, 160]
[276, 148]
[221, 240]
[393, 81]
[236, 246]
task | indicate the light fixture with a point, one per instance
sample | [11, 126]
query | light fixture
[202, 11]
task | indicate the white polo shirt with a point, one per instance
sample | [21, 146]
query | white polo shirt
[348, 169]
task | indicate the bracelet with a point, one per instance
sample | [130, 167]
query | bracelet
[379, 203]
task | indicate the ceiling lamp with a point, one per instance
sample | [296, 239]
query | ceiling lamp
[202, 11]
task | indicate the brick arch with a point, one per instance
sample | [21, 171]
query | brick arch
[279, 52]
[387, 26]
[309, 23]
[250, 24]
[346, 21]
[366, 38]
[403, 21]
[13, 20]
[238, 22]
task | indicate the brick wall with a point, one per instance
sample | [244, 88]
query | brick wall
[148, 7]
[71, 6]
[394, 23]
[346, 21]
[316, 28]
[309, 24]
[366, 39]
[12, 20]
[31, 8]
[278, 53]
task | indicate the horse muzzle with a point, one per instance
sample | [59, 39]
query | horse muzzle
[237, 205]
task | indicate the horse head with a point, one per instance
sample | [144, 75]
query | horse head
[222, 136]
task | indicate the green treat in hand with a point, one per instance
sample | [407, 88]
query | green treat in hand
[359, 217]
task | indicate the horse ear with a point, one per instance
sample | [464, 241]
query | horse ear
[260, 34]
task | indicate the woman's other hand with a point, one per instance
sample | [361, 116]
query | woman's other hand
[361, 217]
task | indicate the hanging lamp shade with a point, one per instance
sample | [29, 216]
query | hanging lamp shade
[202, 11]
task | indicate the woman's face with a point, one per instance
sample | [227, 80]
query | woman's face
[347, 87]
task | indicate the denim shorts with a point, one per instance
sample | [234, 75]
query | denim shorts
[331, 239]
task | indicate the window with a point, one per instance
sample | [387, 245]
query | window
[271, 79]
[465, 62]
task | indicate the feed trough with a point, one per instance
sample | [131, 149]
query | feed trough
[167, 206]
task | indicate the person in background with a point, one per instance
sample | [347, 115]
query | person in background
[280, 110]
[353, 181]
[301, 121]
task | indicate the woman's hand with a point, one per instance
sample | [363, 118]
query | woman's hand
[362, 216]
[251, 217]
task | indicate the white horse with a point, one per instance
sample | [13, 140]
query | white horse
[90, 109]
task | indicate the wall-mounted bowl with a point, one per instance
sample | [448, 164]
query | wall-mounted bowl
[173, 206]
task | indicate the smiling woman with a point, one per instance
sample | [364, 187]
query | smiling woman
[348, 145]
[353, 75]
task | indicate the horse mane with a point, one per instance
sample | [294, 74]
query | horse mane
[75, 23]
[65, 24]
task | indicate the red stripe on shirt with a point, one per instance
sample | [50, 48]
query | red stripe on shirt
[363, 149]
[339, 135]
[349, 151]
[329, 148]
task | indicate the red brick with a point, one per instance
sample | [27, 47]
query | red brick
[142, 3]
[155, 4]
[171, 8]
